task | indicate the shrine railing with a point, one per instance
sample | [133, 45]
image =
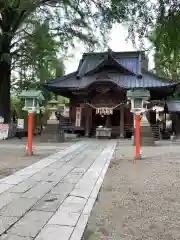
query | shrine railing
[156, 131]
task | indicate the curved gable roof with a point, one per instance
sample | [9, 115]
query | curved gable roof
[109, 62]
[128, 60]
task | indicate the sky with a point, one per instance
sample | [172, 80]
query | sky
[118, 42]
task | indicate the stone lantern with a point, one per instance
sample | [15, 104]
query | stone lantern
[52, 133]
[33, 100]
[53, 107]
[139, 100]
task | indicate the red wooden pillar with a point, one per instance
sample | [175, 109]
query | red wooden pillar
[30, 128]
[137, 152]
[87, 120]
[122, 121]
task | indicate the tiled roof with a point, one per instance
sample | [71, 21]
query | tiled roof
[121, 69]
[89, 64]
[129, 63]
[90, 61]
[173, 105]
[125, 81]
[112, 63]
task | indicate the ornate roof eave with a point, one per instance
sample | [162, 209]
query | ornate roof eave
[69, 83]
[70, 92]
[65, 92]
[170, 87]
[60, 78]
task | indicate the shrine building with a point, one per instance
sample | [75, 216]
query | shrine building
[97, 91]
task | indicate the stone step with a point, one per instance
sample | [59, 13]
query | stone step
[52, 138]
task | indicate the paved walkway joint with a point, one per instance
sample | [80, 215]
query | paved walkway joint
[54, 197]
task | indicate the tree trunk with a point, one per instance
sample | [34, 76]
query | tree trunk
[5, 85]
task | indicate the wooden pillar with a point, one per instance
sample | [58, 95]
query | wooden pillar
[108, 121]
[122, 121]
[70, 111]
[87, 122]
[90, 119]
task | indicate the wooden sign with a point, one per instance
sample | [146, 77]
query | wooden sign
[78, 116]
[1, 120]
[20, 123]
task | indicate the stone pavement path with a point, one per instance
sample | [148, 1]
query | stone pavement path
[52, 199]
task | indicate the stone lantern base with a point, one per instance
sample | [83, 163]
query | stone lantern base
[52, 133]
[146, 135]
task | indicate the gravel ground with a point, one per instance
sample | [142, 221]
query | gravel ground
[139, 201]
[13, 154]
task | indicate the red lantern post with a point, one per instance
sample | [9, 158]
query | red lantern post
[137, 140]
[30, 134]
[32, 100]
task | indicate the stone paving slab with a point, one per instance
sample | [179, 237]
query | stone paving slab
[54, 197]
[7, 197]
[51, 232]
[23, 186]
[14, 237]
[18, 207]
[30, 224]
[4, 187]
[5, 223]
[49, 203]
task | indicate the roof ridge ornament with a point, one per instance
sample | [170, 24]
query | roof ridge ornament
[110, 53]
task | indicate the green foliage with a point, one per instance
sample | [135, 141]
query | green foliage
[166, 42]
[35, 58]
[16, 106]
[165, 39]
[62, 100]
[144, 16]
[86, 20]
[38, 31]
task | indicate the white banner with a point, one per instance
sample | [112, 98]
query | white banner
[4, 129]
[78, 116]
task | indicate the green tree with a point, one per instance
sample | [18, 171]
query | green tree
[150, 14]
[165, 39]
[16, 107]
[36, 58]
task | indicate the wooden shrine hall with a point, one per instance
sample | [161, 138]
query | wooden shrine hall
[97, 91]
